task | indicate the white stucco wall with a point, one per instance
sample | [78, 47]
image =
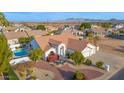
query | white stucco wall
[13, 47]
[59, 47]
[89, 50]
[48, 52]
[12, 41]
[19, 60]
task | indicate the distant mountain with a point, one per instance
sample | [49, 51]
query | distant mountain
[82, 20]
[74, 19]
[91, 20]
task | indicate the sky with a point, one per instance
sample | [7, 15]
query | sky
[50, 16]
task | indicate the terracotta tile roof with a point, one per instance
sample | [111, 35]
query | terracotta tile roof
[42, 41]
[14, 35]
[77, 45]
[36, 32]
[71, 41]
[98, 30]
[53, 42]
[47, 48]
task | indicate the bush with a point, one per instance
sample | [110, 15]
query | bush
[77, 57]
[68, 54]
[36, 54]
[88, 62]
[41, 27]
[121, 31]
[17, 47]
[25, 39]
[79, 76]
[100, 64]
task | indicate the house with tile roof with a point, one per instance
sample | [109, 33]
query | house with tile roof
[12, 37]
[60, 44]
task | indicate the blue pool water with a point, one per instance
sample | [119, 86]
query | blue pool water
[20, 52]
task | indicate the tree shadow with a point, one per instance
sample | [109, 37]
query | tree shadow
[120, 49]
[121, 37]
[72, 63]
[67, 75]
[6, 76]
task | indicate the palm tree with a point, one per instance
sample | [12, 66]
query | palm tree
[90, 37]
[5, 55]
[36, 54]
[3, 20]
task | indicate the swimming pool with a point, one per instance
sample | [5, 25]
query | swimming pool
[20, 53]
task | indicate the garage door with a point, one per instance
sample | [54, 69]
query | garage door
[86, 53]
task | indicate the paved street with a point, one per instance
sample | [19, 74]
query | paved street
[118, 76]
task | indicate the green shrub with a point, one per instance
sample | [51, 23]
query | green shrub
[121, 31]
[41, 27]
[36, 54]
[68, 54]
[88, 62]
[25, 39]
[77, 57]
[21, 46]
[17, 47]
[100, 64]
[79, 76]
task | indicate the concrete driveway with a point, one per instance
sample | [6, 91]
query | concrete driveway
[113, 60]
[116, 63]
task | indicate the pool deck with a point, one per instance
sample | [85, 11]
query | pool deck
[19, 60]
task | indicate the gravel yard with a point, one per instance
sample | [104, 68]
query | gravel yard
[114, 46]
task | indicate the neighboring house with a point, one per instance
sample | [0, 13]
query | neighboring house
[12, 38]
[99, 32]
[22, 28]
[36, 32]
[9, 28]
[73, 27]
[17, 24]
[118, 26]
[60, 44]
[94, 26]
[51, 28]
[19, 54]
[110, 31]
[76, 33]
